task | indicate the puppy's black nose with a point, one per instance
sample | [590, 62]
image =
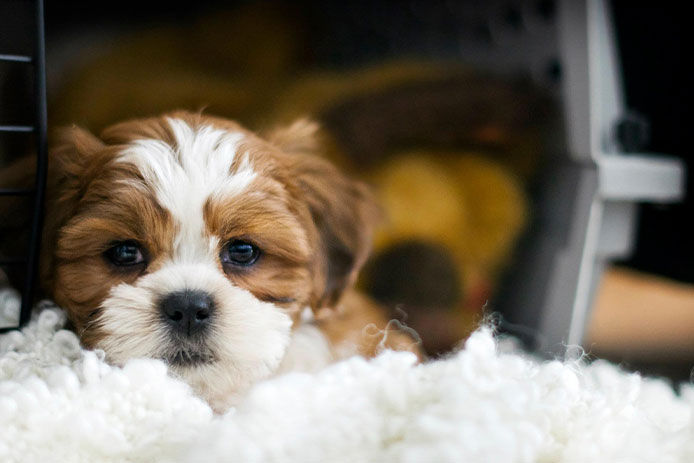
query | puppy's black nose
[188, 312]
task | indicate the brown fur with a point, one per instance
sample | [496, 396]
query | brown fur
[342, 211]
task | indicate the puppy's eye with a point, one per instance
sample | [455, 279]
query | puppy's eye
[241, 253]
[125, 254]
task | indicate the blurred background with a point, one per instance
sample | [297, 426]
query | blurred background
[455, 113]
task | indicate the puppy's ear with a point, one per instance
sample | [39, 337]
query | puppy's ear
[72, 156]
[72, 160]
[342, 211]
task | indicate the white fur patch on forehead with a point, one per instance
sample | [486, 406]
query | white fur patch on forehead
[197, 167]
[184, 176]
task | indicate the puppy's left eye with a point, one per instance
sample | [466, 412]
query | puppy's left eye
[125, 254]
[241, 253]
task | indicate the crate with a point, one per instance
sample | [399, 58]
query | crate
[22, 124]
[585, 210]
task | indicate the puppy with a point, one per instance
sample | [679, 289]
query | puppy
[190, 239]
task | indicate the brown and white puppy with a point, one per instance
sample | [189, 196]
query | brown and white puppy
[190, 239]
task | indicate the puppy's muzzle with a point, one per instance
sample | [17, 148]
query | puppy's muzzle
[187, 312]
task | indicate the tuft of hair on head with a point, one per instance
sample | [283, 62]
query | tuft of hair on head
[70, 151]
[301, 136]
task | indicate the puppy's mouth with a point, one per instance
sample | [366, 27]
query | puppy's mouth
[190, 358]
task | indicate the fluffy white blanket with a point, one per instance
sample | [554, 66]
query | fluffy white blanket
[59, 403]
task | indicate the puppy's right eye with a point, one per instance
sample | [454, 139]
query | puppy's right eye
[125, 254]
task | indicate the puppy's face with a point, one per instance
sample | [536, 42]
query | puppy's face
[189, 239]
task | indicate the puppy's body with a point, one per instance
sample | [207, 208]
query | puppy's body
[190, 239]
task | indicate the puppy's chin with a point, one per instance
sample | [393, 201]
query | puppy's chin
[244, 341]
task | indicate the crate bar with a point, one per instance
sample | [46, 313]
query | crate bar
[16, 58]
[7, 329]
[10, 261]
[16, 128]
[41, 165]
[16, 191]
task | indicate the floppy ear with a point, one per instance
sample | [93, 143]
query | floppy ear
[342, 211]
[71, 159]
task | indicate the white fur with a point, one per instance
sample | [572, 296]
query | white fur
[248, 337]
[61, 404]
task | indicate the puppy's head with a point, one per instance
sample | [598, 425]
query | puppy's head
[190, 239]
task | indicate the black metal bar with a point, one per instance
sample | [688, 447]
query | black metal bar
[41, 165]
[16, 191]
[12, 261]
[7, 329]
[16, 58]
[16, 128]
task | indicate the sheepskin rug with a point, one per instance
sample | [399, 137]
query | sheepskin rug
[59, 403]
